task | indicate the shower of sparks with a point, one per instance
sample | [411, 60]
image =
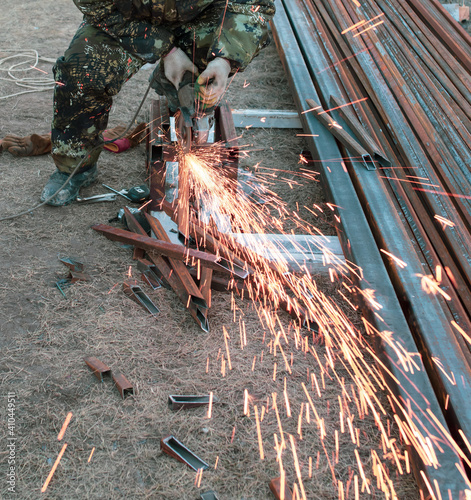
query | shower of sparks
[279, 284]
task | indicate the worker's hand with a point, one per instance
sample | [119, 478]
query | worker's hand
[176, 63]
[212, 82]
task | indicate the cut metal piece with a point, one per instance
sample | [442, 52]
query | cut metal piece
[72, 264]
[135, 292]
[178, 266]
[75, 276]
[338, 132]
[176, 402]
[209, 495]
[275, 487]
[125, 387]
[171, 446]
[360, 132]
[168, 276]
[99, 369]
[149, 273]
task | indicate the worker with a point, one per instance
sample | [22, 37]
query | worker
[210, 39]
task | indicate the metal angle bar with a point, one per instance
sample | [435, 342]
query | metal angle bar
[360, 247]
[266, 118]
[169, 249]
[178, 266]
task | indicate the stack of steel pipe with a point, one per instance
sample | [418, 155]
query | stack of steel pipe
[412, 63]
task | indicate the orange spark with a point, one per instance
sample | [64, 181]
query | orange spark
[259, 433]
[398, 261]
[354, 26]
[54, 467]
[343, 105]
[64, 426]
[367, 29]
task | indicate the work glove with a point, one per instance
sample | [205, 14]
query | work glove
[212, 81]
[130, 140]
[31, 145]
[176, 64]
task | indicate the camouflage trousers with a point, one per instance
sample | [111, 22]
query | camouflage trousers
[93, 70]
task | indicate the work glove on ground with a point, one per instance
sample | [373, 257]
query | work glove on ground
[176, 64]
[31, 145]
[212, 81]
[34, 145]
[130, 140]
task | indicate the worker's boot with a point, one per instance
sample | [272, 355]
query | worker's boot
[70, 191]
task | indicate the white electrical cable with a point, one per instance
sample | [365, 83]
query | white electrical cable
[21, 62]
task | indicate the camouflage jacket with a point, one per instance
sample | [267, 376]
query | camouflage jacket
[242, 24]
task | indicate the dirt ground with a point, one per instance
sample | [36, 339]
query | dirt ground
[45, 336]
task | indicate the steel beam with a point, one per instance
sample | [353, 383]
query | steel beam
[359, 246]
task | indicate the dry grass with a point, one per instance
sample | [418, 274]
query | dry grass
[44, 337]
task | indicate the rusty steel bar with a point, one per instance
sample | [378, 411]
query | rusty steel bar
[458, 237]
[422, 224]
[125, 387]
[358, 242]
[178, 266]
[169, 249]
[99, 369]
[447, 71]
[437, 113]
[459, 47]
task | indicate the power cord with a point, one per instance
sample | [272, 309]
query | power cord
[98, 146]
[28, 60]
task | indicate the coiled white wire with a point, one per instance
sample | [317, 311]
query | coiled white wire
[20, 62]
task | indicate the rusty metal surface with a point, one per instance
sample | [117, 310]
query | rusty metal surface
[168, 276]
[275, 488]
[169, 249]
[123, 385]
[357, 239]
[99, 369]
[178, 266]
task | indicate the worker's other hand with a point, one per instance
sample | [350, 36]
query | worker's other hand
[176, 63]
[213, 80]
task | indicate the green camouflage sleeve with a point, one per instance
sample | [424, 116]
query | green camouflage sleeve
[242, 31]
[139, 36]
